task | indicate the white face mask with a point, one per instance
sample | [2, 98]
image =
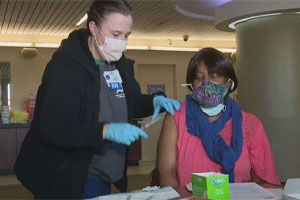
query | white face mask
[112, 48]
[213, 111]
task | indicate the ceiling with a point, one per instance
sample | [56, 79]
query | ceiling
[203, 9]
[154, 22]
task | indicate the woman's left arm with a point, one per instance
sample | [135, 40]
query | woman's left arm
[261, 157]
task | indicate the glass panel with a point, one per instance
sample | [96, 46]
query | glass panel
[5, 83]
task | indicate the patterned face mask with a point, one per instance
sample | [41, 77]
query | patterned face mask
[209, 95]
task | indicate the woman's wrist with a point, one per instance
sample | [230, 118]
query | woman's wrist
[105, 127]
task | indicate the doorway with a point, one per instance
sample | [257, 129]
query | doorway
[163, 76]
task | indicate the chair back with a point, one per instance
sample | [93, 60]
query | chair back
[154, 177]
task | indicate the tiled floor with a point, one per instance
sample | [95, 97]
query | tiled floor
[145, 167]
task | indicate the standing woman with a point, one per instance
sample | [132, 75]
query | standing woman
[76, 144]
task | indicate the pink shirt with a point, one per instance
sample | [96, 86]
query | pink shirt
[256, 152]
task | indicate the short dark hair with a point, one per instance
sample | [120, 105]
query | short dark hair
[100, 9]
[216, 62]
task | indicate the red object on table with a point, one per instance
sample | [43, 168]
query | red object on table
[29, 107]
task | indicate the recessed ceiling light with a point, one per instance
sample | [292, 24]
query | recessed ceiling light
[82, 20]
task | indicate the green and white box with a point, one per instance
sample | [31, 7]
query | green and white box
[210, 185]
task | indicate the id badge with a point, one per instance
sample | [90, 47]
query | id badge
[113, 80]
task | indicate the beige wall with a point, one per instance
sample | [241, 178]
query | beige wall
[26, 73]
[179, 59]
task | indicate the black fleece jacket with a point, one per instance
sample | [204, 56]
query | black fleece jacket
[56, 152]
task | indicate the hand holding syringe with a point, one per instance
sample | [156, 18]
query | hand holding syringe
[147, 122]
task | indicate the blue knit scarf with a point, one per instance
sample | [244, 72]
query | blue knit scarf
[209, 132]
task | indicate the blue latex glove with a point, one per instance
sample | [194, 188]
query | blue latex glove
[166, 103]
[124, 133]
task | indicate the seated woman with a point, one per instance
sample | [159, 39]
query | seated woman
[210, 132]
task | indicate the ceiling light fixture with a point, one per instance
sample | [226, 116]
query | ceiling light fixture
[170, 48]
[191, 49]
[235, 23]
[82, 20]
[16, 44]
[227, 50]
[137, 47]
[129, 47]
[47, 45]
